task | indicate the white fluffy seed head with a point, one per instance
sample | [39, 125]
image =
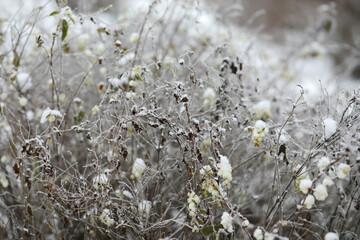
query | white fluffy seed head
[328, 182]
[309, 201]
[138, 169]
[320, 192]
[258, 234]
[331, 236]
[245, 223]
[305, 185]
[342, 170]
[226, 221]
[323, 163]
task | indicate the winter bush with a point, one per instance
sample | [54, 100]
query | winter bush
[172, 122]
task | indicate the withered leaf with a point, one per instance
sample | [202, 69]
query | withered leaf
[16, 168]
[29, 210]
[26, 232]
[282, 149]
[233, 68]
[153, 124]
[136, 127]
[184, 99]
[28, 182]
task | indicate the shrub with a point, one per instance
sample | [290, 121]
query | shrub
[169, 124]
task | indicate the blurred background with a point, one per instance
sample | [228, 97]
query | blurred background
[276, 19]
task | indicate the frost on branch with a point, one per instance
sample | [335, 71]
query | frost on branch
[49, 115]
[177, 120]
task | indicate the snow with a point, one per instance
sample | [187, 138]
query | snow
[224, 170]
[323, 163]
[328, 181]
[23, 79]
[138, 168]
[226, 221]
[253, 97]
[330, 126]
[262, 109]
[49, 115]
[144, 208]
[258, 234]
[343, 170]
[309, 201]
[305, 185]
[320, 192]
[127, 194]
[331, 236]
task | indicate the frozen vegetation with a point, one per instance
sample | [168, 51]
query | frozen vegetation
[166, 120]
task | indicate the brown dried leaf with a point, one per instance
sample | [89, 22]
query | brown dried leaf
[29, 210]
[16, 169]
